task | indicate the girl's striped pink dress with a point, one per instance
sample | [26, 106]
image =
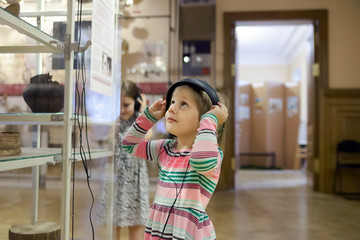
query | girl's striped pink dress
[187, 179]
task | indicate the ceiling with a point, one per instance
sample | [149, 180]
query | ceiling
[270, 43]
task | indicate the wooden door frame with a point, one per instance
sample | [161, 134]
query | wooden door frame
[321, 84]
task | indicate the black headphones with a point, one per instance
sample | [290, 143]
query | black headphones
[137, 104]
[195, 83]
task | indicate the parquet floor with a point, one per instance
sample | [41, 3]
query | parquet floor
[266, 205]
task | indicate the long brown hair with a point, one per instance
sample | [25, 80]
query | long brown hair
[129, 89]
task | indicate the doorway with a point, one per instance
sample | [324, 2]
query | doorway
[273, 61]
[316, 18]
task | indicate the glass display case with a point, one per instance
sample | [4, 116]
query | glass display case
[64, 155]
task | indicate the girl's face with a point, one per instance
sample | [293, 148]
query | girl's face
[127, 108]
[182, 117]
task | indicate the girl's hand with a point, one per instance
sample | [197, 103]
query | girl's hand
[158, 109]
[220, 111]
[142, 101]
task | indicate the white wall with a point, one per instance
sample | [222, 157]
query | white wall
[301, 65]
[261, 73]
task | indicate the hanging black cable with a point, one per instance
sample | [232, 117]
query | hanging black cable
[80, 117]
[177, 193]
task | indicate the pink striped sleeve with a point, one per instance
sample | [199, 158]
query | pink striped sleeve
[205, 156]
[134, 142]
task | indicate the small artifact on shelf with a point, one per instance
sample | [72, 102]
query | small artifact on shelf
[43, 95]
[10, 143]
[14, 9]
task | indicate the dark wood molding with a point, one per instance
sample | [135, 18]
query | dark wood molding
[342, 93]
[342, 117]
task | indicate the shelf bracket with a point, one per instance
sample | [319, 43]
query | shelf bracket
[69, 47]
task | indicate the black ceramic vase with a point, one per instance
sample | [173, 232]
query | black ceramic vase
[43, 95]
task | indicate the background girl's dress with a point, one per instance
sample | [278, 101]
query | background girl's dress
[131, 186]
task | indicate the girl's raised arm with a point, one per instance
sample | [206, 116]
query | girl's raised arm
[206, 156]
[134, 142]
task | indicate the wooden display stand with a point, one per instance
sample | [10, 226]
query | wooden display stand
[37, 231]
[292, 121]
[267, 123]
[243, 121]
[300, 156]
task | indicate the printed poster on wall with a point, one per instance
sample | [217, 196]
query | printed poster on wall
[292, 106]
[275, 105]
[102, 48]
[243, 113]
[243, 99]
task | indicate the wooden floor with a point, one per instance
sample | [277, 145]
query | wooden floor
[266, 205]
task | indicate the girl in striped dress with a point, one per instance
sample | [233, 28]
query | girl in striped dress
[131, 181]
[189, 164]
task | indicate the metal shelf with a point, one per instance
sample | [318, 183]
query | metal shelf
[32, 118]
[45, 119]
[30, 157]
[55, 13]
[50, 44]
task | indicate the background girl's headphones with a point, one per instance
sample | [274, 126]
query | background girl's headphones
[137, 104]
[195, 83]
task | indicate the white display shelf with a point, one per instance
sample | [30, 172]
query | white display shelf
[30, 157]
[45, 119]
[50, 44]
[54, 13]
[32, 118]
